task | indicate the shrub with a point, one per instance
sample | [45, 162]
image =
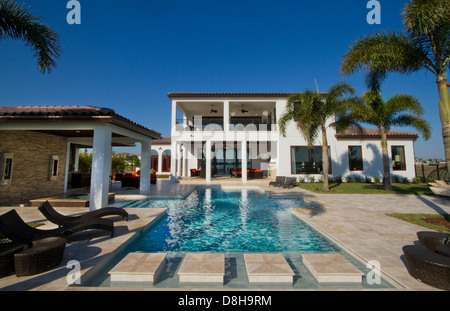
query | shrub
[377, 179]
[312, 179]
[406, 180]
[358, 178]
[338, 179]
[396, 179]
[348, 179]
[368, 180]
[417, 180]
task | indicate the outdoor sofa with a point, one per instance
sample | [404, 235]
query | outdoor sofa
[251, 173]
[429, 267]
[42, 256]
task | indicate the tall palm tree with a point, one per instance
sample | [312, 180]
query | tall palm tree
[313, 112]
[425, 44]
[18, 23]
[399, 110]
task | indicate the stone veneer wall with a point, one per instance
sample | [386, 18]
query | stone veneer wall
[31, 166]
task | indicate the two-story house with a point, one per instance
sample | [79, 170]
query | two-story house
[237, 134]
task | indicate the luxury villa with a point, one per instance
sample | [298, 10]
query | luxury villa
[237, 134]
[212, 135]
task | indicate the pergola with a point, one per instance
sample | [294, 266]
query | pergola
[86, 126]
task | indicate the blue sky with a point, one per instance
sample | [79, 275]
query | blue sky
[128, 55]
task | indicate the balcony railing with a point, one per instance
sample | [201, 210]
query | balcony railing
[216, 124]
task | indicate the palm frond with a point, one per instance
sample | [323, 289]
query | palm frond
[404, 102]
[424, 17]
[17, 23]
[385, 51]
[414, 121]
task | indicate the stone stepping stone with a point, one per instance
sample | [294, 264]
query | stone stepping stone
[268, 268]
[202, 268]
[332, 268]
[138, 267]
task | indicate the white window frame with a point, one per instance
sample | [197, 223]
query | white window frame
[52, 174]
[4, 159]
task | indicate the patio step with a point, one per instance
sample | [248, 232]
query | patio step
[202, 268]
[138, 267]
[332, 268]
[268, 268]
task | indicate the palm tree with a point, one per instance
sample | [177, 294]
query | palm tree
[399, 110]
[425, 44]
[17, 23]
[313, 113]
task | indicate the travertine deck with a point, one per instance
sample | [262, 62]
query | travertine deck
[203, 268]
[268, 268]
[138, 267]
[332, 268]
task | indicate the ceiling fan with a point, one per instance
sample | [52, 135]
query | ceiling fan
[243, 110]
[213, 110]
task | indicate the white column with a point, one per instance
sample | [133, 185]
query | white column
[208, 161]
[173, 162]
[174, 117]
[101, 168]
[146, 150]
[185, 161]
[226, 116]
[76, 159]
[244, 160]
[179, 155]
[159, 168]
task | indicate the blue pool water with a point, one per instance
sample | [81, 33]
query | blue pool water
[214, 220]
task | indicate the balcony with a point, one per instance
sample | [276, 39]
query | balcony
[217, 124]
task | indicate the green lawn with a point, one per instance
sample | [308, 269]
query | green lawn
[432, 221]
[366, 188]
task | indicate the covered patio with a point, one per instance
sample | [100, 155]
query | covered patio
[74, 127]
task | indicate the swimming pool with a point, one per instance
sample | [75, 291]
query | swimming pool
[212, 219]
[235, 222]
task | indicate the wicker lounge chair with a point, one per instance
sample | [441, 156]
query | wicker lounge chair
[44, 255]
[7, 251]
[432, 239]
[289, 183]
[444, 250]
[279, 180]
[13, 227]
[428, 267]
[57, 218]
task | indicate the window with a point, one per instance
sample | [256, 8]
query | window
[355, 160]
[305, 160]
[54, 160]
[398, 158]
[166, 161]
[154, 159]
[6, 167]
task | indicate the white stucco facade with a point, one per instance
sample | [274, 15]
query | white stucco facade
[208, 128]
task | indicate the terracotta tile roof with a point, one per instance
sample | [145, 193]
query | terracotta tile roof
[353, 132]
[19, 113]
[164, 141]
